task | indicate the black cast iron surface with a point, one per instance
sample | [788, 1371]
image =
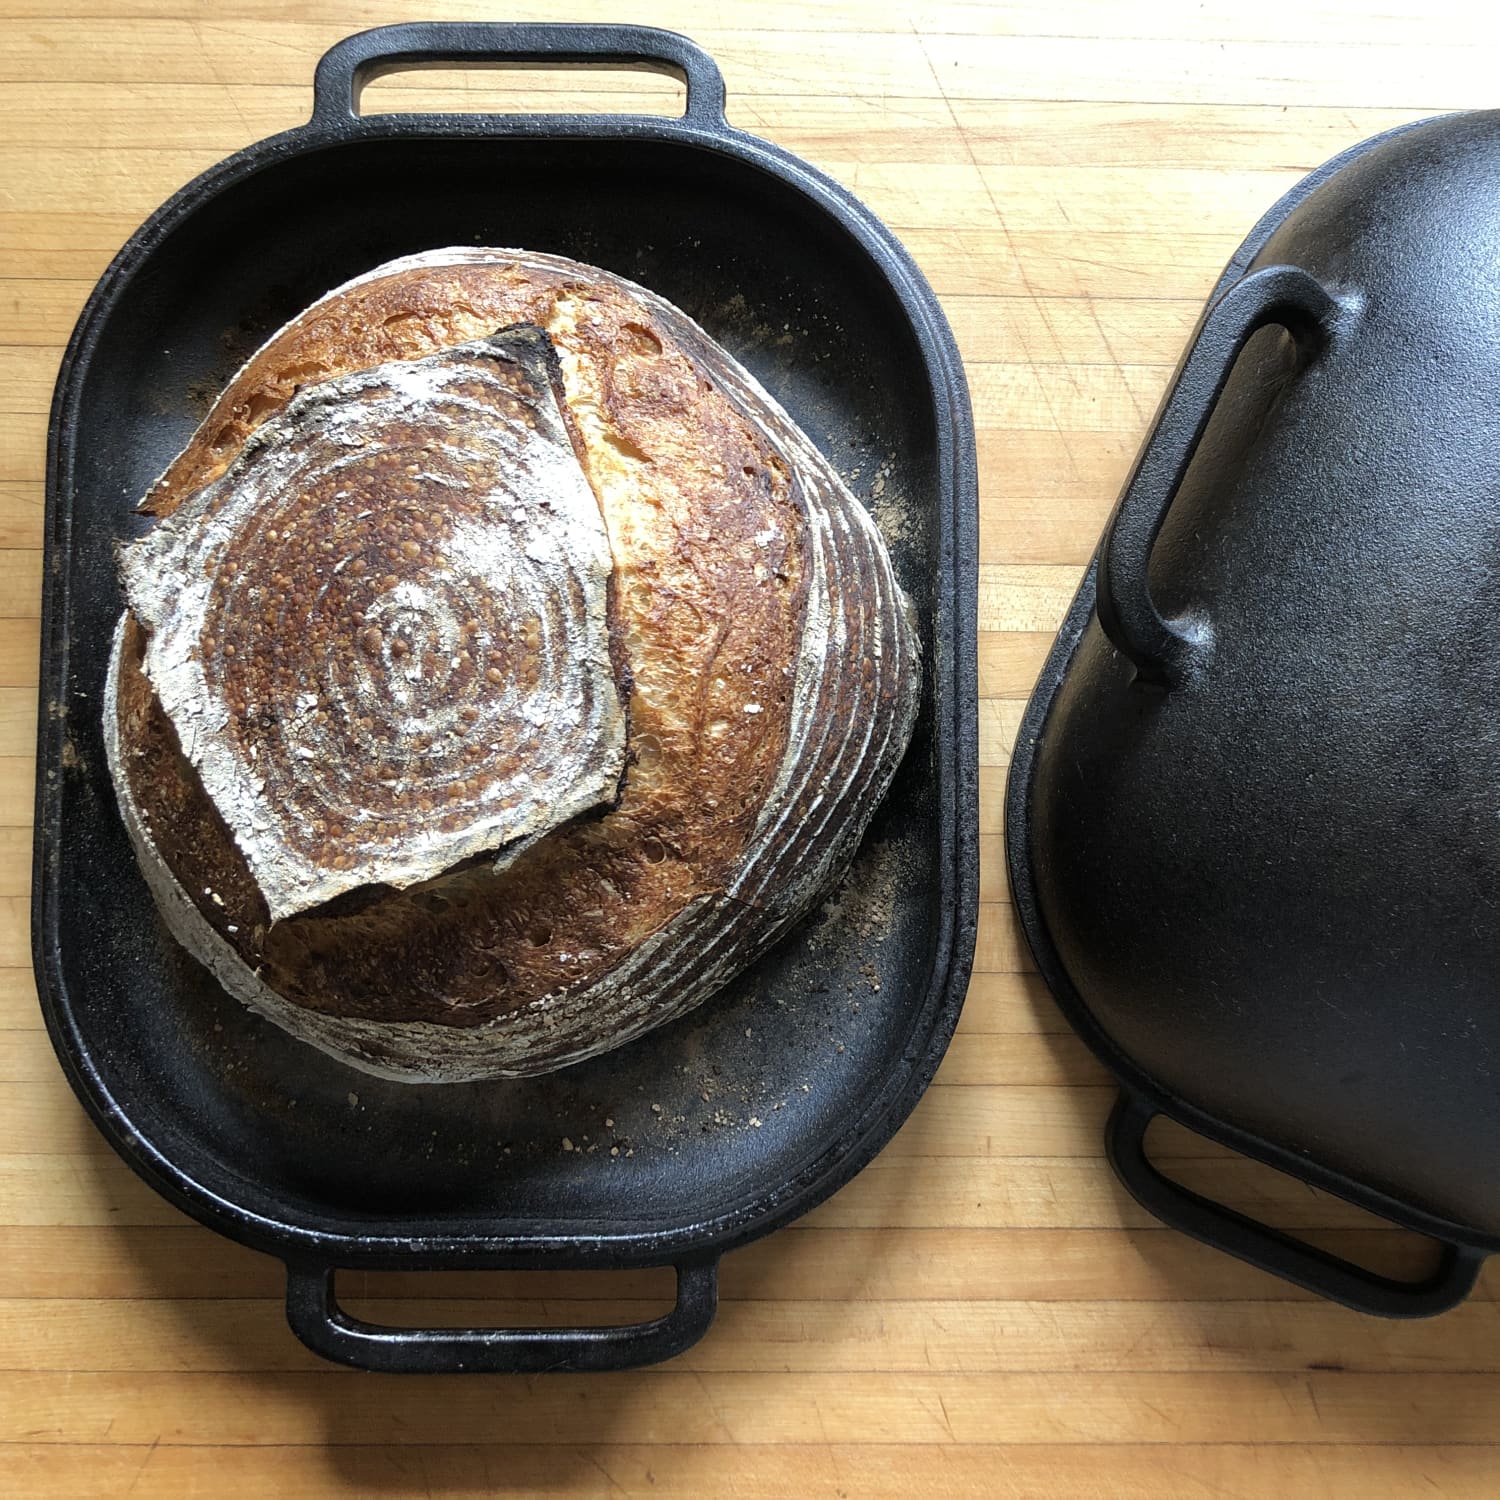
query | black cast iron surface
[1254, 812]
[813, 1058]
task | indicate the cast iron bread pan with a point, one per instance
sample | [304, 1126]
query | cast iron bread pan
[813, 1058]
[1252, 817]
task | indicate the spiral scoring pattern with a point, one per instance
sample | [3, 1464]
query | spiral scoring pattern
[392, 650]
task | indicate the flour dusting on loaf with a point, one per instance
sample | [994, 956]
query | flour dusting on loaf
[608, 705]
[381, 635]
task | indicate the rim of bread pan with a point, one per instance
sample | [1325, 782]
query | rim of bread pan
[1142, 1097]
[829, 1163]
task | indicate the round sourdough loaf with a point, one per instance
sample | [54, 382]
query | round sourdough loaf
[503, 672]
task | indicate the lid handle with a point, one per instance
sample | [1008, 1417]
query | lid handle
[357, 60]
[316, 1318]
[1164, 651]
[1271, 1249]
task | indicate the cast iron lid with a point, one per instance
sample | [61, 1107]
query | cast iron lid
[708, 1132]
[1254, 813]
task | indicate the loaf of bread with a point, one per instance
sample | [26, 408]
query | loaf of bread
[503, 672]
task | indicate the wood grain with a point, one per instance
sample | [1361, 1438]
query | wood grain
[982, 1311]
[1062, 1471]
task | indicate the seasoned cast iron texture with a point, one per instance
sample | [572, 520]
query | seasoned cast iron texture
[283, 1148]
[1255, 810]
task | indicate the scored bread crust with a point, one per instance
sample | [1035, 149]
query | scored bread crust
[385, 633]
[773, 678]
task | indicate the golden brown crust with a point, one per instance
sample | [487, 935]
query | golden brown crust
[204, 857]
[689, 489]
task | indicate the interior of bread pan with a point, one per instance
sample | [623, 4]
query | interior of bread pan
[702, 1116]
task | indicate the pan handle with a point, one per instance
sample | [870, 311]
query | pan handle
[350, 64]
[1271, 1249]
[316, 1318]
[1163, 651]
